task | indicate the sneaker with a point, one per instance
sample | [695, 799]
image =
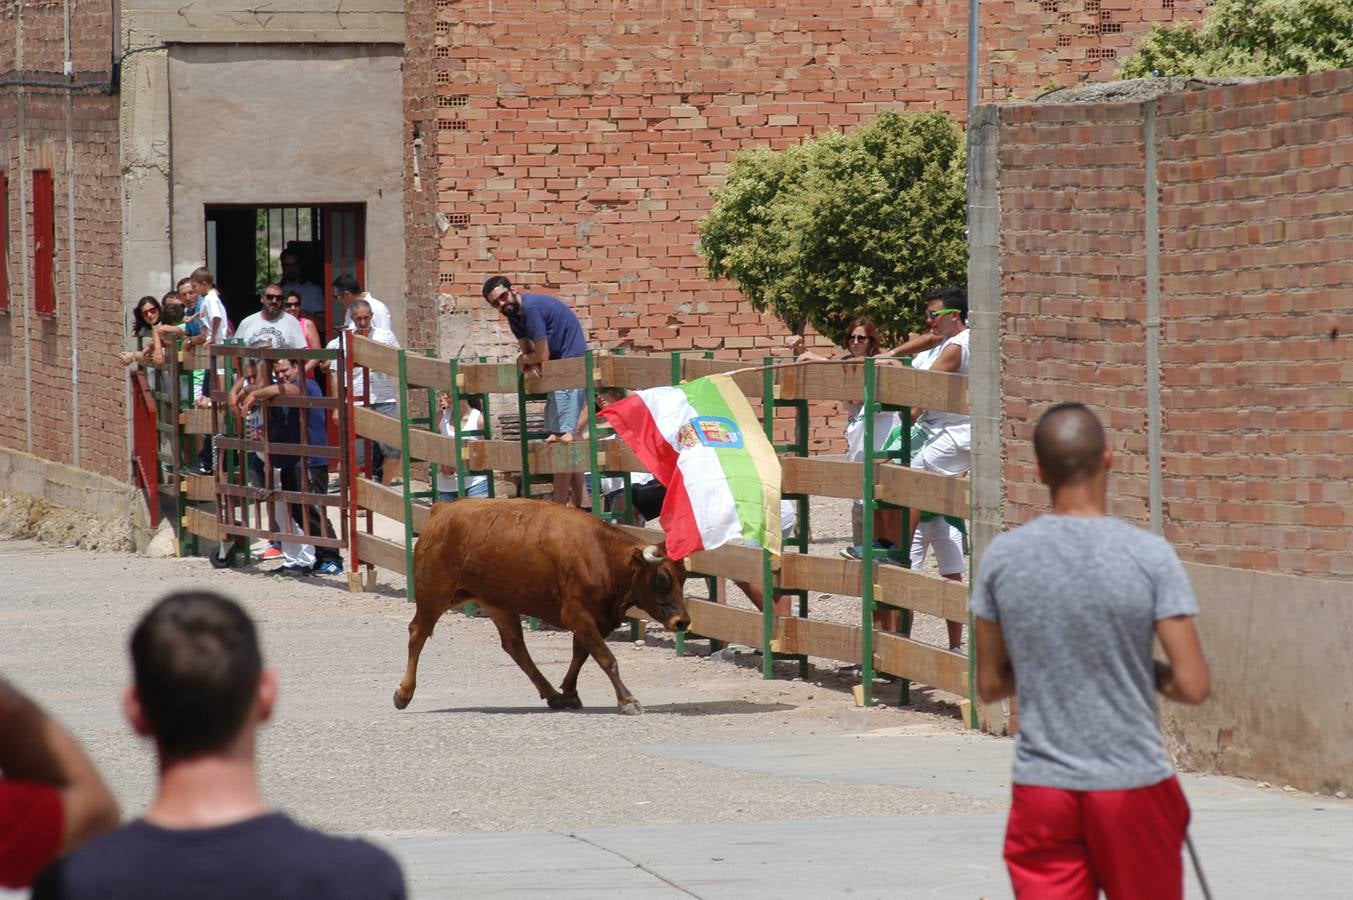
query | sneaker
[329, 567]
[850, 671]
[858, 552]
[292, 570]
[273, 552]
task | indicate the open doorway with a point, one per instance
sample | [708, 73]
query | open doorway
[245, 245]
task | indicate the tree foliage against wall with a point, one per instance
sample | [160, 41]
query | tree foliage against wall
[1250, 37]
[842, 225]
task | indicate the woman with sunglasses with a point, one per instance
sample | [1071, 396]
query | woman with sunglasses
[145, 316]
[291, 303]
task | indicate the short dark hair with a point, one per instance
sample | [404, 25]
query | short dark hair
[953, 298]
[347, 284]
[1069, 442]
[197, 665]
[497, 281]
[203, 275]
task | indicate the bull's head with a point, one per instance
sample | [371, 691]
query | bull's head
[658, 586]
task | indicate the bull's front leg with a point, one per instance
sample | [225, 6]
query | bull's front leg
[509, 632]
[585, 633]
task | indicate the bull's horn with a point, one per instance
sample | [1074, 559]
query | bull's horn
[653, 554]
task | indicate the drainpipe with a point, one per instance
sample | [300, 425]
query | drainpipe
[23, 232]
[68, 69]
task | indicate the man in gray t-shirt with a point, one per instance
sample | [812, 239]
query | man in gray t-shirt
[1067, 609]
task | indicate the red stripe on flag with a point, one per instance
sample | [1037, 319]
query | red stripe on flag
[634, 424]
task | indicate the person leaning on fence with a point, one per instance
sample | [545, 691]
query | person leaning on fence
[51, 796]
[471, 419]
[285, 424]
[292, 305]
[946, 437]
[545, 329]
[201, 694]
[1067, 608]
[145, 316]
[382, 399]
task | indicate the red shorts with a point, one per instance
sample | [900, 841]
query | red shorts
[1073, 844]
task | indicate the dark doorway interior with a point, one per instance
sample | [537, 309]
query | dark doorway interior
[245, 244]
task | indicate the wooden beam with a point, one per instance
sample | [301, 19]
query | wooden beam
[505, 456]
[374, 355]
[842, 381]
[380, 552]
[930, 491]
[821, 477]
[916, 661]
[370, 424]
[725, 623]
[693, 367]
[937, 391]
[634, 372]
[389, 502]
[814, 637]
[909, 589]
[433, 447]
[729, 561]
[488, 378]
[195, 421]
[559, 375]
[428, 372]
[198, 356]
[201, 523]
[199, 488]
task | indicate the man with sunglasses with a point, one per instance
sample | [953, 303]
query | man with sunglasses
[545, 329]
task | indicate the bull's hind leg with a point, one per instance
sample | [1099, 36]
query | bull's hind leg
[585, 633]
[424, 620]
[569, 688]
[509, 631]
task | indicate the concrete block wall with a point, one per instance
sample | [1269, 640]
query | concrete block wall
[574, 147]
[1254, 248]
[66, 391]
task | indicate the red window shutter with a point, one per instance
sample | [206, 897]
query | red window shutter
[44, 244]
[4, 242]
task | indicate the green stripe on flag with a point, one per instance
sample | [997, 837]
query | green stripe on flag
[753, 472]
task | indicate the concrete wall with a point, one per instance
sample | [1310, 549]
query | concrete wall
[286, 125]
[64, 392]
[576, 146]
[108, 499]
[150, 27]
[1180, 263]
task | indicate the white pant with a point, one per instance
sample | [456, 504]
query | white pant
[940, 535]
[293, 554]
[947, 451]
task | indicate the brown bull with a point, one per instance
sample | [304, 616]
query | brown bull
[556, 563]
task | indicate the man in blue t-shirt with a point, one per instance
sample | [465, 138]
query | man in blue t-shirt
[545, 329]
[1067, 608]
[200, 692]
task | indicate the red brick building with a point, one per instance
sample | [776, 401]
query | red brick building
[574, 146]
[61, 236]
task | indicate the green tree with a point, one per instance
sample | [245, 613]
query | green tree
[843, 225]
[1250, 37]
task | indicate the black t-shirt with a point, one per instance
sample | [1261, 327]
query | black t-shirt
[266, 858]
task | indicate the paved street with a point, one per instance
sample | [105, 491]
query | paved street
[728, 786]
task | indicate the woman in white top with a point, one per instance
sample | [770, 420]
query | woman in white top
[471, 420]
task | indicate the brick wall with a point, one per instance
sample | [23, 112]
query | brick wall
[1256, 281]
[577, 144]
[36, 352]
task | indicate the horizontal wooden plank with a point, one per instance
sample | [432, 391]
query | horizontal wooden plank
[814, 637]
[634, 372]
[489, 378]
[725, 623]
[195, 356]
[428, 372]
[942, 494]
[370, 424]
[821, 477]
[375, 355]
[195, 421]
[829, 380]
[558, 375]
[199, 488]
[379, 552]
[202, 523]
[922, 390]
[389, 502]
[751, 383]
[730, 561]
[826, 574]
[249, 492]
[620, 458]
[942, 597]
[260, 447]
[544, 459]
[916, 661]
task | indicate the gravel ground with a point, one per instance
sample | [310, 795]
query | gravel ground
[476, 750]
